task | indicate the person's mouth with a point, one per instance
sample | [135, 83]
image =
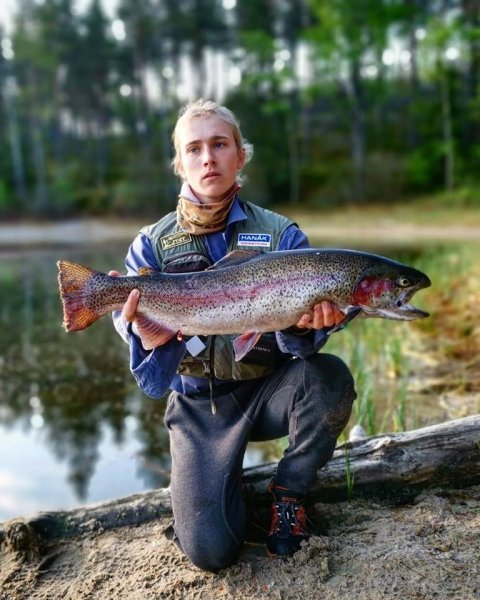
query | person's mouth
[211, 175]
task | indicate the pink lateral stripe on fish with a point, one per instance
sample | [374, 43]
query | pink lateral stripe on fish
[247, 292]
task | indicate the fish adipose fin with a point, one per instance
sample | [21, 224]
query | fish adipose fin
[244, 343]
[153, 333]
[72, 280]
[236, 257]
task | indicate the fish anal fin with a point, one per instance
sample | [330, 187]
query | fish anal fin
[244, 343]
[236, 257]
[153, 333]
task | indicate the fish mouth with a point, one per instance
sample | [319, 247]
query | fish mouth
[404, 312]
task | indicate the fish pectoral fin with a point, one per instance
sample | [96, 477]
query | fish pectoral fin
[244, 343]
[353, 311]
[236, 257]
[153, 333]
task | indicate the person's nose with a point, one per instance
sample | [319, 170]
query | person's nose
[208, 156]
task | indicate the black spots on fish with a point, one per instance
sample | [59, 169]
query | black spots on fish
[263, 294]
[373, 291]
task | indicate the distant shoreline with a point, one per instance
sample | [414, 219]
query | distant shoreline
[75, 232]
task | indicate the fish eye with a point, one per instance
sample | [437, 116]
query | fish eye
[404, 282]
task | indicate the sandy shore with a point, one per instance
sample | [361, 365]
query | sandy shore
[424, 550]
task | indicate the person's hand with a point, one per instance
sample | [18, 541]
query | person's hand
[129, 310]
[129, 313]
[324, 314]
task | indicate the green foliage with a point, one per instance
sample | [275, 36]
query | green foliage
[463, 197]
[5, 199]
[67, 182]
[419, 168]
[258, 44]
[87, 115]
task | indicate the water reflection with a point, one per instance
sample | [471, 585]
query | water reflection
[68, 393]
[74, 427]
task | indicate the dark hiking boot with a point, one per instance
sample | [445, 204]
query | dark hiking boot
[289, 527]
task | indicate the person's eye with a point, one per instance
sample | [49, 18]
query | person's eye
[219, 144]
[192, 150]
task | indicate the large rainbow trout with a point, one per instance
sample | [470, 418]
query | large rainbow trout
[246, 293]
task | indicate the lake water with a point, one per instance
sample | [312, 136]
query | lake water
[74, 428]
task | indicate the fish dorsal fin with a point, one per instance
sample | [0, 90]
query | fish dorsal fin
[146, 271]
[236, 257]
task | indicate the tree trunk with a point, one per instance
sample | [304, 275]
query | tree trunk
[447, 127]
[358, 130]
[471, 123]
[7, 86]
[37, 147]
[393, 467]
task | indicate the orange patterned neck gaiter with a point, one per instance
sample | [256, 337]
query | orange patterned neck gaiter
[197, 218]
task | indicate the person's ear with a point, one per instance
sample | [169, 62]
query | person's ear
[241, 159]
[179, 168]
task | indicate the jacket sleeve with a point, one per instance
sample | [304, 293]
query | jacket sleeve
[308, 343]
[153, 370]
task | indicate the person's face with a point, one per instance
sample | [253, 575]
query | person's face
[209, 157]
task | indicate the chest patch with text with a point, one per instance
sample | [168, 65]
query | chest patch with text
[255, 240]
[175, 239]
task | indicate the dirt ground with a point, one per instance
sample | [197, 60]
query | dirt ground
[366, 550]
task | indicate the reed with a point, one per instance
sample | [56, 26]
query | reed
[385, 356]
[349, 476]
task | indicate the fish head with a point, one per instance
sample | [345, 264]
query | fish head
[385, 290]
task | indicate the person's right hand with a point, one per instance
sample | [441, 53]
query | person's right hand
[129, 311]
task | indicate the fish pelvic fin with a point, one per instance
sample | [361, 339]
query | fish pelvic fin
[152, 333]
[72, 280]
[244, 343]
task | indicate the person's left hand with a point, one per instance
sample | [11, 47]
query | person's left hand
[324, 314]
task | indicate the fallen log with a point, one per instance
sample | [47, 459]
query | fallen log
[396, 466]
[393, 467]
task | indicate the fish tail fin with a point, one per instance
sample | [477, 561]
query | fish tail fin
[72, 280]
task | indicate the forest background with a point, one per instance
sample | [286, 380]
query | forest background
[345, 102]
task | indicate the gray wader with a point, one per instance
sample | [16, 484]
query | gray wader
[308, 400]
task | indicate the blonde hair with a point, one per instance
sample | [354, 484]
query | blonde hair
[204, 109]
